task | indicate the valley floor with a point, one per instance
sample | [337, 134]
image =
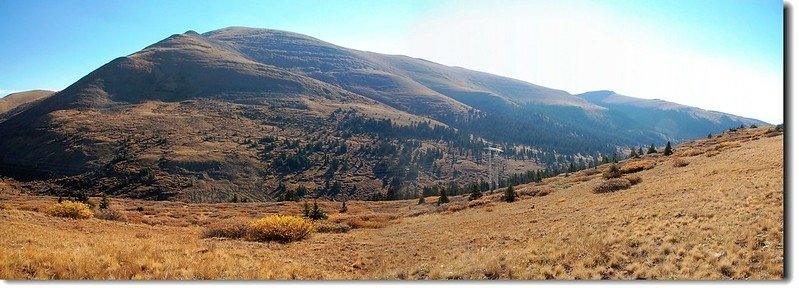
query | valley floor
[719, 217]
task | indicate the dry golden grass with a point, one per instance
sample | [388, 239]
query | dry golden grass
[720, 217]
[229, 228]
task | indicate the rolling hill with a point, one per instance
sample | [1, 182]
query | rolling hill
[254, 113]
[14, 100]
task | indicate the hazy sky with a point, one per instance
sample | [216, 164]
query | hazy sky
[723, 55]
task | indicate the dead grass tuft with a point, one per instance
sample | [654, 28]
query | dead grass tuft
[369, 221]
[612, 185]
[634, 179]
[636, 166]
[236, 228]
[679, 162]
[331, 227]
[111, 215]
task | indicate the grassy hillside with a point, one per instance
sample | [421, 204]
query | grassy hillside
[712, 210]
[13, 100]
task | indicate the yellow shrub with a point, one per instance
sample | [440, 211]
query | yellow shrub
[69, 209]
[281, 228]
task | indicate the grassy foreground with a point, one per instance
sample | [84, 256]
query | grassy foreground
[713, 210]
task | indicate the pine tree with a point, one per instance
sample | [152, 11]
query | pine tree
[317, 213]
[475, 193]
[289, 196]
[343, 206]
[442, 196]
[667, 151]
[510, 195]
[633, 154]
[640, 151]
[709, 135]
[306, 210]
[651, 149]
[421, 199]
[104, 202]
[235, 199]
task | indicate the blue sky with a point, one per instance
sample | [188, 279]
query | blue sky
[716, 54]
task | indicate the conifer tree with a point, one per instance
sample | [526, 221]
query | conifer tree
[475, 193]
[317, 213]
[104, 202]
[640, 151]
[651, 149]
[633, 154]
[421, 199]
[442, 196]
[343, 206]
[709, 135]
[667, 151]
[306, 210]
[510, 195]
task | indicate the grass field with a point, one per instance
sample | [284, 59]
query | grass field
[713, 210]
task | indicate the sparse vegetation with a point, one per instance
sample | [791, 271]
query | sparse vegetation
[331, 227]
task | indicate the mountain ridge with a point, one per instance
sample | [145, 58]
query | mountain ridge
[254, 112]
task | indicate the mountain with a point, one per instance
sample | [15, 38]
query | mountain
[255, 113]
[680, 122]
[15, 100]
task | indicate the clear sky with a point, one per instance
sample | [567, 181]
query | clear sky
[723, 55]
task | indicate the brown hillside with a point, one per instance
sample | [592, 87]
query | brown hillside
[718, 217]
[14, 100]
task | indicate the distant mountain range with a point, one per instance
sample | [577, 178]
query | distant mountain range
[254, 112]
